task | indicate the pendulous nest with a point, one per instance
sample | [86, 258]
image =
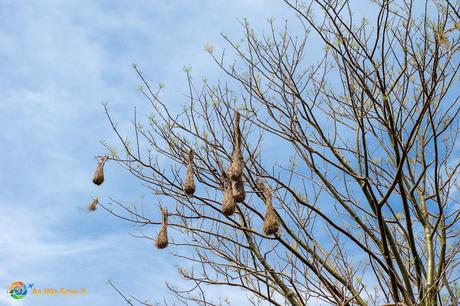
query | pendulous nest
[228, 203]
[189, 183]
[271, 222]
[98, 177]
[162, 239]
[93, 205]
[238, 190]
[236, 168]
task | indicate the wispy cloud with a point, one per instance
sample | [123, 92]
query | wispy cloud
[60, 60]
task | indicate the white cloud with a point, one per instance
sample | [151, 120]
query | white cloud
[61, 59]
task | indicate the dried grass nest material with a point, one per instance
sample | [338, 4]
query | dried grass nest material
[228, 203]
[162, 239]
[236, 168]
[238, 190]
[271, 222]
[189, 183]
[93, 205]
[98, 177]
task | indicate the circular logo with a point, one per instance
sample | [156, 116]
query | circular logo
[17, 290]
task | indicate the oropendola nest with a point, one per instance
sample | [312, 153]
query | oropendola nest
[98, 177]
[271, 222]
[238, 190]
[228, 203]
[162, 239]
[236, 168]
[189, 183]
[93, 205]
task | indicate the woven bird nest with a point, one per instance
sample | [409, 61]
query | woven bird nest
[271, 222]
[189, 183]
[228, 203]
[236, 168]
[98, 177]
[93, 205]
[238, 190]
[162, 239]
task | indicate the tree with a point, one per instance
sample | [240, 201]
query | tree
[361, 208]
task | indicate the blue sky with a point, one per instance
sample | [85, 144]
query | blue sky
[60, 60]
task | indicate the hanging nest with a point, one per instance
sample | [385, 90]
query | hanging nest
[98, 177]
[238, 190]
[228, 203]
[189, 183]
[162, 239]
[236, 168]
[271, 223]
[93, 205]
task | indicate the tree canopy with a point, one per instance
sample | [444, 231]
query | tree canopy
[300, 182]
